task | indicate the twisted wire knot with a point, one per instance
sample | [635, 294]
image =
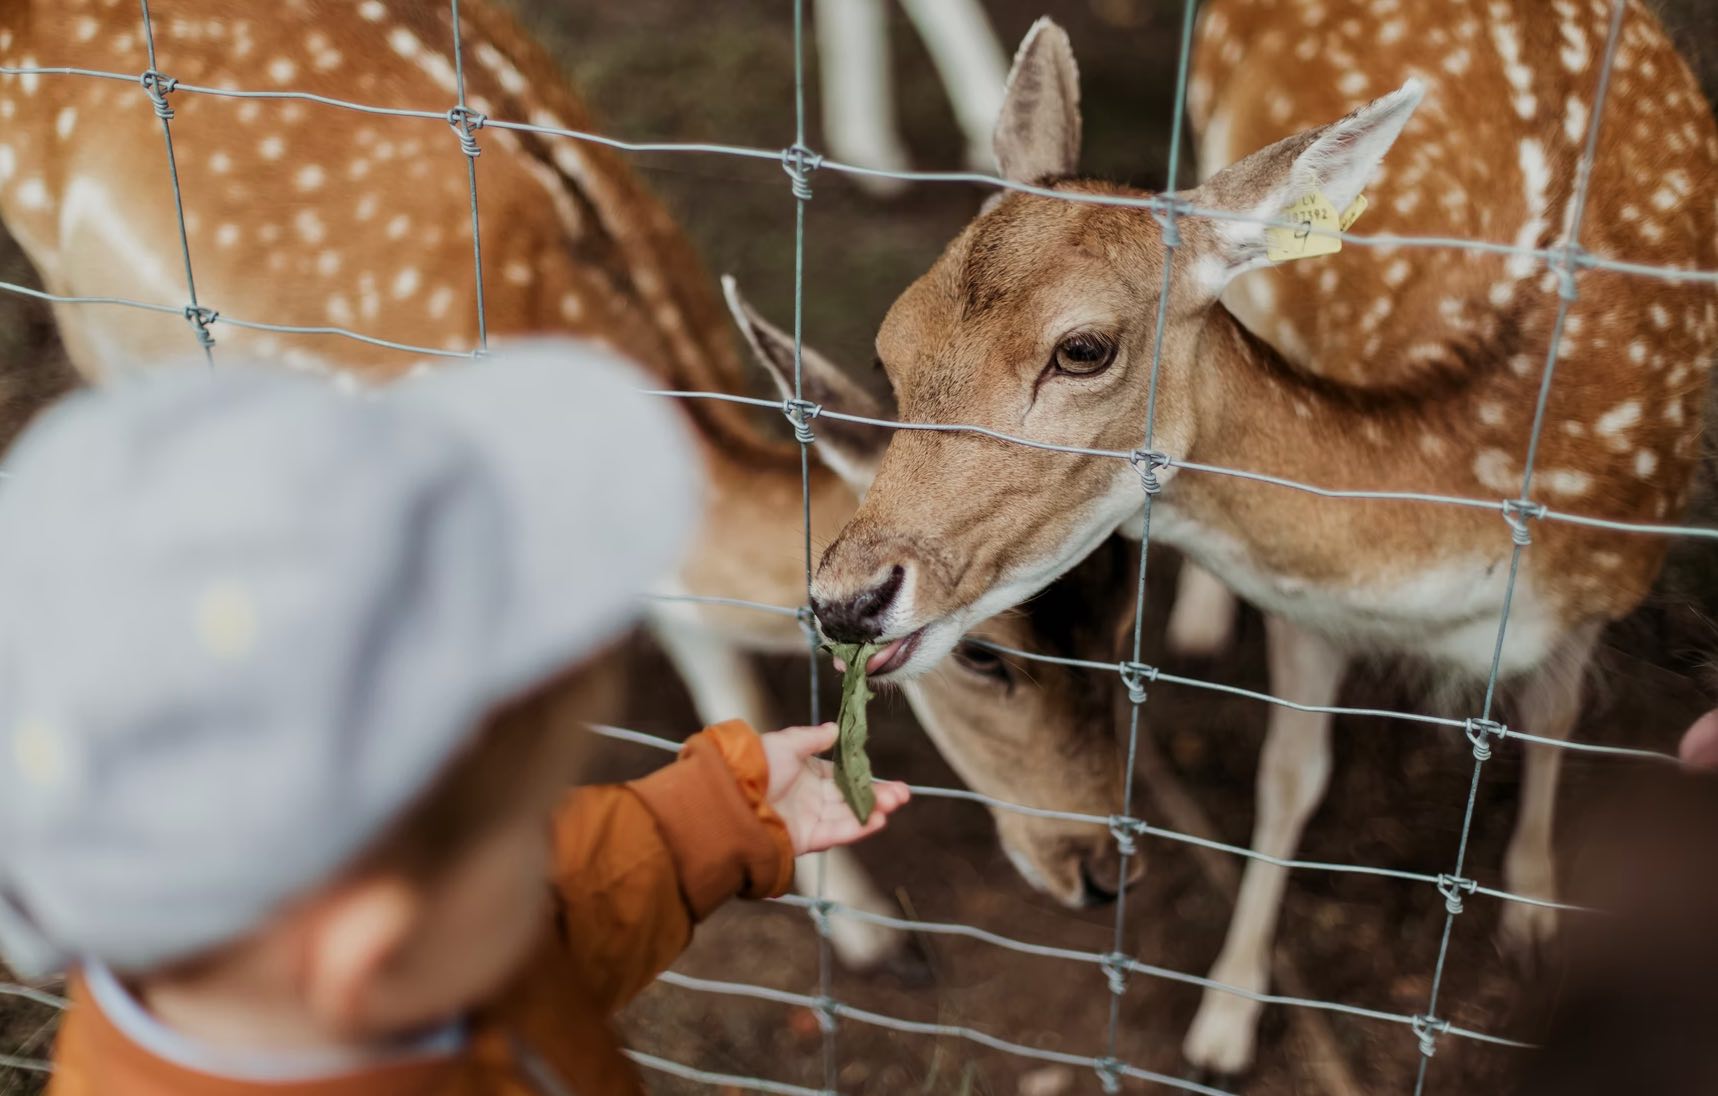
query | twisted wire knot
[1426, 1030]
[807, 618]
[1518, 513]
[200, 318]
[1135, 675]
[1125, 830]
[1172, 209]
[1564, 266]
[1109, 1074]
[1116, 968]
[799, 162]
[1452, 887]
[825, 1008]
[800, 413]
[1480, 733]
[157, 85]
[820, 914]
[466, 122]
[1147, 462]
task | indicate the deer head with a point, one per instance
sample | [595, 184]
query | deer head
[1027, 732]
[1040, 320]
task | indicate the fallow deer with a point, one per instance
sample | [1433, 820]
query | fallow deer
[306, 214]
[1386, 369]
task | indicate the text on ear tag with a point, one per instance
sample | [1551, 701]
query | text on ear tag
[1353, 212]
[1312, 234]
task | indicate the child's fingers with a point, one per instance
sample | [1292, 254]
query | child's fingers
[807, 742]
[892, 795]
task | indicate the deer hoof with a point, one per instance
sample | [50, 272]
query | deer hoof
[1224, 1034]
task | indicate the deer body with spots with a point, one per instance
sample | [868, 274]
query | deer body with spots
[1390, 369]
[305, 214]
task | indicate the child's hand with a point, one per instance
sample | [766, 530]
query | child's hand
[803, 792]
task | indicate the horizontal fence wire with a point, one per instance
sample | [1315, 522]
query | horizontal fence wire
[1565, 261]
[1108, 960]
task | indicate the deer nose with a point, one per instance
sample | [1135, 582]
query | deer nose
[859, 618]
[1101, 879]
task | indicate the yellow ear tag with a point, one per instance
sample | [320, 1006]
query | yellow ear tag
[1315, 223]
[1353, 212]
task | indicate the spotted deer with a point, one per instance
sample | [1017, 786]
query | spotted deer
[1379, 368]
[305, 214]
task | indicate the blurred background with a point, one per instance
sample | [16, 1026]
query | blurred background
[691, 70]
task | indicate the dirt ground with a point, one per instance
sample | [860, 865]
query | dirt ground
[689, 70]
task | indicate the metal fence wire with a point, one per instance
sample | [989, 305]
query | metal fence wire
[1567, 261]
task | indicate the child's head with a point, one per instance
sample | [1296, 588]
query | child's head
[287, 677]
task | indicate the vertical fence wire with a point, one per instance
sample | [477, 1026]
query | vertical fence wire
[798, 163]
[158, 87]
[1428, 1027]
[466, 122]
[1134, 676]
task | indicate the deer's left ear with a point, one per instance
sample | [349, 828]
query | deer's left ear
[1335, 160]
[851, 450]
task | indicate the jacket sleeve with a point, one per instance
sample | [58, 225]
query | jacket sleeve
[638, 865]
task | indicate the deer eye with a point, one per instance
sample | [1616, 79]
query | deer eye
[983, 662]
[1084, 354]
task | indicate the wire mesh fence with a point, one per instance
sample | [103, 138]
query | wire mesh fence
[1567, 261]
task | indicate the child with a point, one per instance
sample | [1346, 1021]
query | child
[286, 684]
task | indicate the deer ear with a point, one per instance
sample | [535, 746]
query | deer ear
[851, 450]
[1336, 160]
[1038, 133]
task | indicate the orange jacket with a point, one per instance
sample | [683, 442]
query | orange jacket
[637, 866]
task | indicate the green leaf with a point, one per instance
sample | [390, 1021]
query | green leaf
[852, 767]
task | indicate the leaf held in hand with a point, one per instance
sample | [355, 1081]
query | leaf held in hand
[852, 767]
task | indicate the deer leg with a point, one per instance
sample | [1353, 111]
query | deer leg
[858, 93]
[1202, 621]
[1294, 769]
[724, 685]
[973, 67]
[1548, 705]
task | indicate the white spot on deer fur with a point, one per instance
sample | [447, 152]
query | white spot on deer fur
[33, 194]
[1574, 429]
[1432, 445]
[309, 177]
[220, 163]
[1352, 83]
[281, 70]
[1645, 463]
[1575, 52]
[249, 111]
[226, 235]
[358, 168]
[340, 311]
[404, 43]
[512, 80]
[328, 263]
[7, 108]
[440, 301]
[8, 162]
[310, 227]
[1617, 419]
[1508, 42]
[1536, 182]
[1660, 316]
[572, 308]
[1673, 413]
[65, 121]
[1637, 352]
[1392, 31]
[1574, 118]
[83, 31]
[398, 226]
[517, 273]
[1457, 61]
[1566, 481]
[406, 283]
[1491, 414]
[1610, 561]
[1664, 199]
[1492, 469]
[1397, 273]
[373, 11]
[366, 207]
[272, 148]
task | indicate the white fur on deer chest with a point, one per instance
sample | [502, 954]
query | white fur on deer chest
[1445, 611]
